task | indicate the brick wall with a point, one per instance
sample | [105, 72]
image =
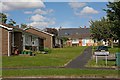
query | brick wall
[4, 41]
[47, 42]
[0, 41]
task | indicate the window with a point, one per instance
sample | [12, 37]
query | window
[28, 39]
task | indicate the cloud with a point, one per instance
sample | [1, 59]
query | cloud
[22, 4]
[20, 0]
[39, 11]
[39, 24]
[76, 5]
[0, 7]
[88, 10]
[28, 12]
[40, 21]
[81, 9]
[37, 18]
[42, 24]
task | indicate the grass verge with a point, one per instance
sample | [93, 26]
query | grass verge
[102, 62]
[57, 57]
[111, 50]
[60, 72]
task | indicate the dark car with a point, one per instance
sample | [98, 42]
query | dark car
[102, 48]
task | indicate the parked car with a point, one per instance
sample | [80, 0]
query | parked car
[102, 48]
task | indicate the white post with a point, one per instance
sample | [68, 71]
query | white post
[13, 39]
[24, 42]
[96, 59]
[8, 43]
[106, 60]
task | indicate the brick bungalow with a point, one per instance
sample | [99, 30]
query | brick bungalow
[49, 38]
[12, 37]
[76, 36]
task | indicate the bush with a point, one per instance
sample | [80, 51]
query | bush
[37, 52]
[47, 50]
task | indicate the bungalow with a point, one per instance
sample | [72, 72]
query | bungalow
[12, 38]
[49, 38]
[76, 36]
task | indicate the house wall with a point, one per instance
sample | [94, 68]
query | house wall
[80, 42]
[89, 42]
[4, 41]
[75, 41]
[31, 41]
[0, 41]
[47, 42]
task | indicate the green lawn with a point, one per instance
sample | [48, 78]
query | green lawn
[101, 63]
[111, 50]
[58, 57]
[60, 72]
[114, 50]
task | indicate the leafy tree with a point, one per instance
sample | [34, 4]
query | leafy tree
[3, 18]
[64, 39]
[52, 31]
[23, 26]
[101, 30]
[113, 14]
[12, 22]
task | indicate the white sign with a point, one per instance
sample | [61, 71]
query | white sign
[102, 53]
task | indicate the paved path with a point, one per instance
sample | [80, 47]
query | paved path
[81, 60]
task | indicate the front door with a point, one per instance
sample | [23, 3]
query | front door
[41, 44]
[18, 40]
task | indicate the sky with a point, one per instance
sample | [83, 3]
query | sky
[54, 14]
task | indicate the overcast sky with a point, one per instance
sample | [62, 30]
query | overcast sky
[53, 14]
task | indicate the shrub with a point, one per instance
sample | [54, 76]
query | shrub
[37, 52]
[47, 50]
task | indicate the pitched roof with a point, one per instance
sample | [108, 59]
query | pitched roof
[74, 32]
[40, 31]
[6, 26]
[9, 27]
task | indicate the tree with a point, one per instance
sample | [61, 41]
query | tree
[3, 18]
[101, 30]
[52, 31]
[113, 14]
[23, 26]
[12, 22]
